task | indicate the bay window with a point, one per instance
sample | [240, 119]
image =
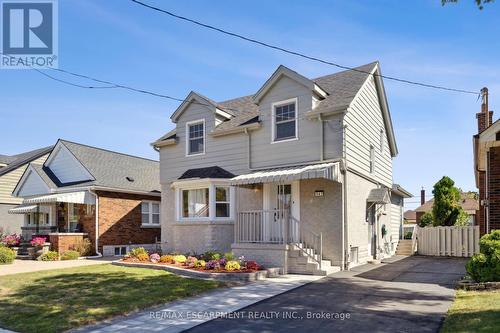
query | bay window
[207, 201]
[150, 213]
[195, 203]
[222, 203]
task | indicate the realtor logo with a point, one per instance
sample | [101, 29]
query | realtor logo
[28, 34]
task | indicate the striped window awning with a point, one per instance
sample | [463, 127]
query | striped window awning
[24, 209]
[82, 197]
[329, 171]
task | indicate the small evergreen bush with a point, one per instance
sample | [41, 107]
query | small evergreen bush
[7, 255]
[485, 266]
[70, 255]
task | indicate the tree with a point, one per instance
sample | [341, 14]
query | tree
[426, 220]
[479, 3]
[446, 210]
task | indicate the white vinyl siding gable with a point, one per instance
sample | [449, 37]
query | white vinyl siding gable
[364, 122]
[9, 181]
[228, 152]
[66, 167]
[32, 184]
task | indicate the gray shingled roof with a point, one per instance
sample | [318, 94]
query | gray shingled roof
[341, 87]
[111, 169]
[15, 161]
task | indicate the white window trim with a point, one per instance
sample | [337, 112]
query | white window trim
[150, 224]
[201, 184]
[273, 119]
[372, 159]
[194, 122]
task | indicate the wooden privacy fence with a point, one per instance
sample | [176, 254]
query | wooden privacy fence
[448, 241]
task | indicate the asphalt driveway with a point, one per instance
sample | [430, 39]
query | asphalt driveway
[405, 294]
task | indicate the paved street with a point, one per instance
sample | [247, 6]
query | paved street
[403, 295]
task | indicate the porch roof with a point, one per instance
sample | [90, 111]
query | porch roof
[379, 196]
[81, 197]
[329, 171]
[23, 209]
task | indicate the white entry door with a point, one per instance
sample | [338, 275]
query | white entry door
[280, 201]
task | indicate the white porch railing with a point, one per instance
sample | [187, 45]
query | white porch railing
[261, 226]
[278, 227]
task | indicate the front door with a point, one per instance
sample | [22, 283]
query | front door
[280, 201]
[372, 237]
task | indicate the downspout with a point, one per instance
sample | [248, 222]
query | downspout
[249, 156]
[345, 230]
[487, 194]
[98, 254]
[322, 138]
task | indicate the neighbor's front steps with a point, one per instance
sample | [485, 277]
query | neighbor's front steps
[300, 263]
[404, 247]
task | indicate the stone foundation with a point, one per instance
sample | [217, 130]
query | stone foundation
[267, 255]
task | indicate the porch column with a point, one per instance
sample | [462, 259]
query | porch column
[37, 219]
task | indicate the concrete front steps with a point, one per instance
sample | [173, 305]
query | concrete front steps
[404, 247]
[300, 263]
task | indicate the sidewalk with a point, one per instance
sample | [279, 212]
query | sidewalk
[27, 266]
[187, 313]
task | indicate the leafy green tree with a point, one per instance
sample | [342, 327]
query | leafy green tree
[479, 3]
[426, 220]
[446, 210]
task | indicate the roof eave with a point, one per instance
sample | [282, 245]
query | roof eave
[239, 129]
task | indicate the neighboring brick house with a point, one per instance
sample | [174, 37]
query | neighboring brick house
[487, 167]
[11, 169]
[80, 189]
[468, 203]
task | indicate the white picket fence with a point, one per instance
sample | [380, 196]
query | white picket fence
[448, 241]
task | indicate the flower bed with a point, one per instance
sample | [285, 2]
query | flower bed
[209, 262]
[209, 265]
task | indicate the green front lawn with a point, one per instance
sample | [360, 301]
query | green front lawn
[56, 300]
[474, 311]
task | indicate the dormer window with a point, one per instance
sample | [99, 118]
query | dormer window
[195, 133]
[284, 120]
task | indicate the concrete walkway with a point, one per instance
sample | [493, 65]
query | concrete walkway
[409, 294]
[26, 266]
[184, 314]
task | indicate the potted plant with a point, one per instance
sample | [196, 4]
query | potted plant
[40, 246]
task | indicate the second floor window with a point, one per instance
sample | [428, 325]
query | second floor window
[195, 138]
[285, 120]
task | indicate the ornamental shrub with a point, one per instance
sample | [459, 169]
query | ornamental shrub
[70, 255]
[83, 247]
[200, 264]
[212, 264]
[49, 256]
[485, 266]
[154, 258]
[232, 265]
[191, 261]
[167, 259]
[229, 256]
[211, 255]
[142, 257]
[134, 253]
[252, 265]
[180, 259]
[7, 255]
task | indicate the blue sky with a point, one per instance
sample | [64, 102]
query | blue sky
[455, 45]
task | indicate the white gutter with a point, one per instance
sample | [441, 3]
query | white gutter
[98, 254]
